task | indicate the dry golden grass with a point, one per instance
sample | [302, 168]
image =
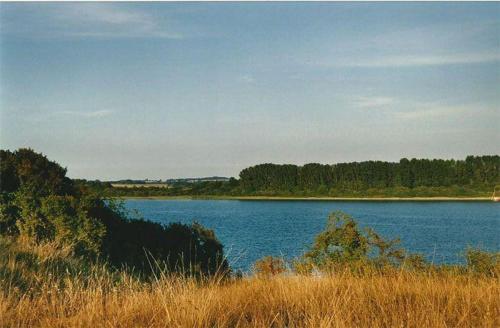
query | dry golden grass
[396, 300]
[42, 287]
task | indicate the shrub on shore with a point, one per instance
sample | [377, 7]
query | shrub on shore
[40, 204]
[343, 245]
[479, 261]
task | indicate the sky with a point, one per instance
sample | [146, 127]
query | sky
[161, 90]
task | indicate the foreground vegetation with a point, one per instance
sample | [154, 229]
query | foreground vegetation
[349, 277]
[42, 287]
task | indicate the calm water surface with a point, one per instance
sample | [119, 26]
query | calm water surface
[250, 230]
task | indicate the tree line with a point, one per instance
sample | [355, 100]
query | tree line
[474, 171]
[473, 176]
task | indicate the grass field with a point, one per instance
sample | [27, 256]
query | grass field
[400, 300]
[41, 287]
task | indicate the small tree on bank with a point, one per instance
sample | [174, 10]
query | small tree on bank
[343, 244]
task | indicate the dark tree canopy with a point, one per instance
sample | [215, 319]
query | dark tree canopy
[24, 167]
[473, 171]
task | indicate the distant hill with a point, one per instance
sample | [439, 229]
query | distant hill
[148, 182]
[195, 180]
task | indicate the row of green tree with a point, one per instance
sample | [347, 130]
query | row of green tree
[40, 204]
[474, 171]
[474, 176]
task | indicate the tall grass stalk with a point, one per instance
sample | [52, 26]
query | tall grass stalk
[56, 292]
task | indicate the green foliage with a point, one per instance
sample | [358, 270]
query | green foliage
[385, 178]
[30, 223]
[9, 214]
[147, 246]
[267, 177]
[415, 262]
[71, 225]
[342, 243]
[9, 180]
[26, 168]
[39, 203]
[60, 219]
[482, 262]
[387, 252]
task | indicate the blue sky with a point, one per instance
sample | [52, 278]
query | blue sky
[158, 90]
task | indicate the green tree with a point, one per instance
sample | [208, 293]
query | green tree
[344, 244]
[387, 252]
[9, 214]
[341, 241]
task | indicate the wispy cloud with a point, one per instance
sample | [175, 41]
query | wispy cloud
[370, 102]
[410, 110]
[426, 113]
[91, 114]
[426, 60]
[248, 78]
[97, 20]
[105, 20]
[437, 111]
[100, 13]
[438, 44]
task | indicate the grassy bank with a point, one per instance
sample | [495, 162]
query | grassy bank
[42, 287]
[218, 197]
[223, 191]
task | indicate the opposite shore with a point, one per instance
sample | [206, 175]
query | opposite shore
[295, 198]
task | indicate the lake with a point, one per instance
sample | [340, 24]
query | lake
[252, 229]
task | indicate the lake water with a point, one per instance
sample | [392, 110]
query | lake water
[250, 230]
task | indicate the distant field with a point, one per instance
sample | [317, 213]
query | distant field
[140, 185]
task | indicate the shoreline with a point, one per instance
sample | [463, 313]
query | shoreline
[296, 198]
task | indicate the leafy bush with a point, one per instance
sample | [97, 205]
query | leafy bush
[415, 262]
[387, 252]
[39, 203]
[25, 167]
[8, 214]
[482, 262]
[145, 245]
[343, 244]
[341, 241]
